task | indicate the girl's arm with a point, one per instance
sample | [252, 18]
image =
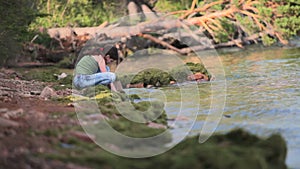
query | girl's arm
[102, 65]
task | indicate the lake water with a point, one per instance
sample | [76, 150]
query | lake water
[262, 97]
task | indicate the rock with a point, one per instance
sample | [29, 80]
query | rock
[70, 105]
[156, 125]
[26, 95]
[197, 76]
[14, 113]
[4, 93]
[227, 115]
[149, 86]
[8, 123]
[39, 116]
[138, 85]
[48, 93]
[183, 118]
[3, 110]
[61, 76]
[7, 89]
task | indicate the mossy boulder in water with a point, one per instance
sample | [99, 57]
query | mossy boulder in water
[159, 78]
[181, 73]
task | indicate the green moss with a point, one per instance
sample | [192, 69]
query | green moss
[220, 151]
[158, 78]
[64, 83]
[141, 111]
[133, 129]
[48, 74]
[66, 62]
[134, 96]
[43, 75]
[172, 5]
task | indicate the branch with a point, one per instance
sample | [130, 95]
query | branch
[195, 21]
[63, 12]
[163, 43]
[204, 8]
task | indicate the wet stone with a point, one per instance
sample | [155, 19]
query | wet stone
[3, 110]
[35, 92]
[48, 93]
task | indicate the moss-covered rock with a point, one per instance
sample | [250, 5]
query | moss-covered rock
[118, 105]
[235, 150]
[181, 73]
[159, 78]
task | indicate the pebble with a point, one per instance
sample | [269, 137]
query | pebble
[156, 125]
[3, 110]
[14, 113]
[70, 104]
[227, 115]
[26, 95]
[4, 93]
[149, 86]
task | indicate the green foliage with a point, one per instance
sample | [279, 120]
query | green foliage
[267, 41]
[249, 26]
[289, 23]
[57, 13]
[228, 31]
[172, 5]
[67, 62]
[15, 17]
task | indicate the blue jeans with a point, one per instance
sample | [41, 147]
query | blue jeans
[83, 81]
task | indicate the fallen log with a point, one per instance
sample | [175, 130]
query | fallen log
[208, 22]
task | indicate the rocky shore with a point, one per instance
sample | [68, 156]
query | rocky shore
[39, 130]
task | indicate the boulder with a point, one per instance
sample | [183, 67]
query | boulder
[48, 93]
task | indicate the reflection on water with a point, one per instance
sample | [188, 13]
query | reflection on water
[263, 96]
